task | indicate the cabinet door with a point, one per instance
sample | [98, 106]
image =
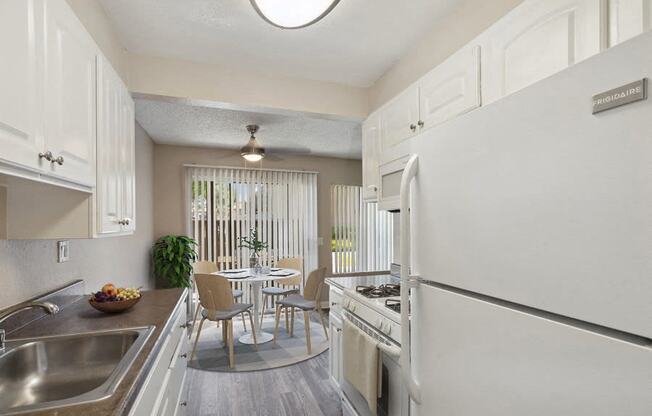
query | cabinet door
[70, 84]
[127, 152]
[20, 33]
[370, 150]
[335, 350]
[398, 120]
[538, 39]
[109, 180]
[450, 89]
[628, 18]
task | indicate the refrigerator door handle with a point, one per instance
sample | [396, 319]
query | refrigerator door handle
[409, 173]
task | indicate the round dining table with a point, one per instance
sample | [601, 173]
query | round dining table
[255, 281]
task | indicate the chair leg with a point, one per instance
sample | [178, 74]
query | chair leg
[321, 318]
[196, 313]
[197, 339]
[306, 323]
[262, 311]
[230, 335]
[287, 320]
[292, 322]
[224, 334]
[244, 322]
[253, 330]
[278, 318]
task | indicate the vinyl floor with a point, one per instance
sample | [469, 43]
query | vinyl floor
[302, 389]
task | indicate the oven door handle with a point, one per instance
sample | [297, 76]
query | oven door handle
[407, 282]
[390, 350]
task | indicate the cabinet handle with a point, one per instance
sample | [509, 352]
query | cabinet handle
[183, 404]
[184, 355]
[413, 127]
[338, 329]
[46, 155]
[421, 123]
[59, 161]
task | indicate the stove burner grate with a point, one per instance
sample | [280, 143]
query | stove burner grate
[382, 291]
[393, 304]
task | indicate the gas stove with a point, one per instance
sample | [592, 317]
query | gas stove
[382, 291]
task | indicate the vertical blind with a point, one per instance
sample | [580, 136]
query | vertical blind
[224, 204]
[361, 234]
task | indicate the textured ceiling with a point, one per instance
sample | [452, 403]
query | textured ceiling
[355, 44]
[280, 134]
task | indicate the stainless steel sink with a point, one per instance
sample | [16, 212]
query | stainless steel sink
[50, 372]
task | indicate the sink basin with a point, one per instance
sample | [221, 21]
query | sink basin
[50, 372]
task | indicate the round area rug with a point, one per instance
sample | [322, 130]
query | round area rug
[212, 354]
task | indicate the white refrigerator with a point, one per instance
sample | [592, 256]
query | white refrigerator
[530, 249]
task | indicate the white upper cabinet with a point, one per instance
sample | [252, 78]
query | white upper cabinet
[114, 197]
[70, 87]
[450, 89]
[628, 18]
[20, 131]
[370, 158]
[538, 39]
[399, 119]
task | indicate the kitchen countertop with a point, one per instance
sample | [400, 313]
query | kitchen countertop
[350, 282]
[155, 308]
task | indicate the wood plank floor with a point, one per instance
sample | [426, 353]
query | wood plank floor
[297, 390]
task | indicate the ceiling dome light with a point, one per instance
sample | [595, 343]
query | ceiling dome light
[252, 152]
[293, 14]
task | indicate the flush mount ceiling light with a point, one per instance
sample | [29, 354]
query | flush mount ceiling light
[252, 151]
[293, 14]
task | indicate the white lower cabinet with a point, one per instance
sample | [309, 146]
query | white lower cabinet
[115, 193]
[164, 392]
[538, 39]
[335, 340]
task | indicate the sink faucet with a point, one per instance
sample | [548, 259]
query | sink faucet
[49, 307]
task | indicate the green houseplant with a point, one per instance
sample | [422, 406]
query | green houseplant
[173, 259]
[255, 245]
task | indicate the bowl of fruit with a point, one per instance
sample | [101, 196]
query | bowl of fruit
[112, 299]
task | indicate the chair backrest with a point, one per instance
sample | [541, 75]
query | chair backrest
[315, 281]
[204, 267]
[215, 292]
[295, 263]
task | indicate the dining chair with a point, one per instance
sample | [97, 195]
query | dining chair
[209, 267]
[217, 301]
[308, 302]
[285, 287]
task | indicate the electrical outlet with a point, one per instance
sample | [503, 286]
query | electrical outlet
[63, 250]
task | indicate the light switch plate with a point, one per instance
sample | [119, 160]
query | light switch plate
[63, 250]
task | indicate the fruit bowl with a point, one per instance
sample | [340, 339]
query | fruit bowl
[115, 306]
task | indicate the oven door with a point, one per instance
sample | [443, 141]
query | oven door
[390, 184]
[393, 399]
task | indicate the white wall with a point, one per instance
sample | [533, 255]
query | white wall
[29, 267]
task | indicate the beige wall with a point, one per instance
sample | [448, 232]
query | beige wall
[177, 78]
[446, 36]
[29, 267]
[169, 176]
[97, 23]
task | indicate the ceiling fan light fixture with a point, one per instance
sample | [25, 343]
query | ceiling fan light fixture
[252, 152]
[293, 14]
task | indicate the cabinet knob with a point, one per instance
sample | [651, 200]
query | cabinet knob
[46, 155]
[413, 127]
[183, 404]
[373, 188]
[421, 123]
[184, 355]
[58, 160]
[184, 326]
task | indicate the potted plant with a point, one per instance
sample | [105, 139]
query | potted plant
[255, 246]
[173, 259]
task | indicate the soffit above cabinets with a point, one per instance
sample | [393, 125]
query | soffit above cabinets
[354, 45]
[281, 134]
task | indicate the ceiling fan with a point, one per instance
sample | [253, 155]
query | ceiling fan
[254, 152]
